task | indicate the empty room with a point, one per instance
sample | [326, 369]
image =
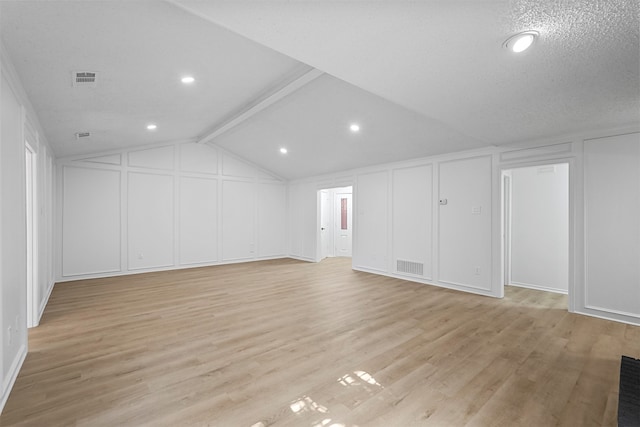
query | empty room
[319, 213]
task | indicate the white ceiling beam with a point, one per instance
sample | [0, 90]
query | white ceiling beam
[260, 104]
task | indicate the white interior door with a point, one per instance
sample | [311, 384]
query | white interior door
[343, 224]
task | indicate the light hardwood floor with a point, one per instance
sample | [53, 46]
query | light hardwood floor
[288, 343]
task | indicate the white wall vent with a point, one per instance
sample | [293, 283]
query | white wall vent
[82, 135]
[84, 78]
[410, 267]
[546, 169]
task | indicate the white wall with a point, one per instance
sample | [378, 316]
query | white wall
[272, 220]
[604, 228]
[17, 117]
[156, 208]
[612, 218]
[412, 225]
[198, 218]
[465, 223]
[540, 227]
[459, 244]
[13, 228]
[303, 218]
[370, 243]
[400, 229]
[89, 194]
[150, 220]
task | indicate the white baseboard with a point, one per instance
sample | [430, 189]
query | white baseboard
[538, 287]
[616, 317]
[301, 258]
[85, 276]
[12, 375]
[44, 302]
[429, 282]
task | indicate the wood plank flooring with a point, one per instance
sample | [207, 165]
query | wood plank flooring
[287, 343]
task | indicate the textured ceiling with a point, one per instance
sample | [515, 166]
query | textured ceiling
[421, 77]
[445, 60]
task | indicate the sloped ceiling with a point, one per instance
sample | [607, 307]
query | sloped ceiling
[444, 59]
[140, 49]
[421, 78]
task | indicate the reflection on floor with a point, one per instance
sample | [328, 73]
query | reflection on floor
[290, 343]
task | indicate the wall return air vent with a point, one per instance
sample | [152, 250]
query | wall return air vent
[84, 78]
[409, 267]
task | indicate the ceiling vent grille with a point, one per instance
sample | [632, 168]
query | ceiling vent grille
[84, 78]
[410, 267]
[82, 135]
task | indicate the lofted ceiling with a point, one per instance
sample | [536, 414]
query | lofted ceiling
[140, 49]
[421, 78]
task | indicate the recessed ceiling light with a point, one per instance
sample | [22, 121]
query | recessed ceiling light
[284, 150]
[354, 127]
[152, 127]
[521, 41]
[187, 80]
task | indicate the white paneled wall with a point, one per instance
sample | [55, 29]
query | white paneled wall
[90, 196]
[12, 228]
[150, 220]
[238, 212]
[399, 218]
[272, 219]
[465, 223]
[371, 221]
[18, 122]
[412, 232]
[400, 229]
[157, 208]
[612, 219]
[198, 215]
[303, 217]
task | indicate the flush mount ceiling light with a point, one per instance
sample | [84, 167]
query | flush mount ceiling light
[521, 41]
[354, 127]
[152, 126]
[284, 150]
[187, 80]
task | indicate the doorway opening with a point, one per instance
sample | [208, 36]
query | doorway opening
[336, 223]
[535, 227]
[31, 210]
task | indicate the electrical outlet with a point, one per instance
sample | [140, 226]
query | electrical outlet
[140, 255]
[477, 271]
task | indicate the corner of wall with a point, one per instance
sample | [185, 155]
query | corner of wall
[12, 375]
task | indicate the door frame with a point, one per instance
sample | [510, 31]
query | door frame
[506, 225]
[332, 196]
[573, 222]
[326, 213]
[31, 221]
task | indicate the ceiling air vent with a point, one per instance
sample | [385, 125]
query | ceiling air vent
[82, 135]
[84, 78]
